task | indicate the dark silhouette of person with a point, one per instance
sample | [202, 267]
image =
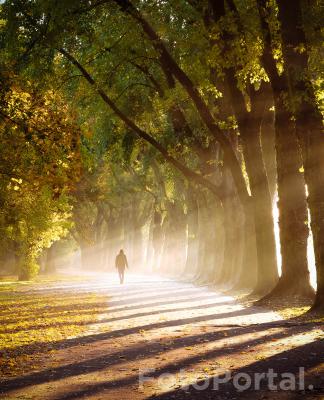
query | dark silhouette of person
[121, 264]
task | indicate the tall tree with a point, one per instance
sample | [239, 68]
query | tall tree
[309, 125]
[291, 185]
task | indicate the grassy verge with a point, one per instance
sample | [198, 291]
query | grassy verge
[289, 308]
[39, 314]
[11, 281]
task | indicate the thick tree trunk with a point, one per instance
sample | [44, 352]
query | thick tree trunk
[309, 128]
[227, 272]
[291, 205]
[247, 276]
[291, 186]
[210, 244]
[242, 244]
[249, 124]
[174, 249]
[230, 263]
[292, 208]
[314, 169]
[267, 272]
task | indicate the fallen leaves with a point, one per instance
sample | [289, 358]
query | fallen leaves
[34, 317]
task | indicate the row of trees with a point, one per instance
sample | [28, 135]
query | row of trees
[194, 115]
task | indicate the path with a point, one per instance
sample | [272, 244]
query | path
[158, 326]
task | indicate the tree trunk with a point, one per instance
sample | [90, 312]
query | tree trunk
[202, 233]
[226, 274]
[149, 255]
[209, 244]
[240, 260]
[158, 238]
[50, 266]
[192, 235]
[292, 208]
[249, 124]
[291, 186]
[86, 256]
[138, 248]
[309, 128]
[269, 145]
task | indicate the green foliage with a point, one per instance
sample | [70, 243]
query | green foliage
[40, 165]
[57, 128]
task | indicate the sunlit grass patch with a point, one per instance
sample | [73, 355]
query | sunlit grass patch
[11, 281]
[288, 307]
[40, 318]
[297, 310]
[293, 312]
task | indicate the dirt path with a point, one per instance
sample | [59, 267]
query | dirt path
[174, 335]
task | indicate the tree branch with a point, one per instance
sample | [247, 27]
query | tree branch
[202, 108]
[188, 173]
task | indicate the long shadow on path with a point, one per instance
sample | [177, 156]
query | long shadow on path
[63, 344]
[307, 357]
[148, 350]
[285, 362]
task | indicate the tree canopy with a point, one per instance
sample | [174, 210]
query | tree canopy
[167, 127]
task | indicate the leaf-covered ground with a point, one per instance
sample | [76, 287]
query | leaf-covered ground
[40, 313]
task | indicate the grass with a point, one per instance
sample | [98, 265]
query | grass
[12, 280]
[297, 310]
[32, 315]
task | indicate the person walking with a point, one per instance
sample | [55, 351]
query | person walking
[121, 264]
